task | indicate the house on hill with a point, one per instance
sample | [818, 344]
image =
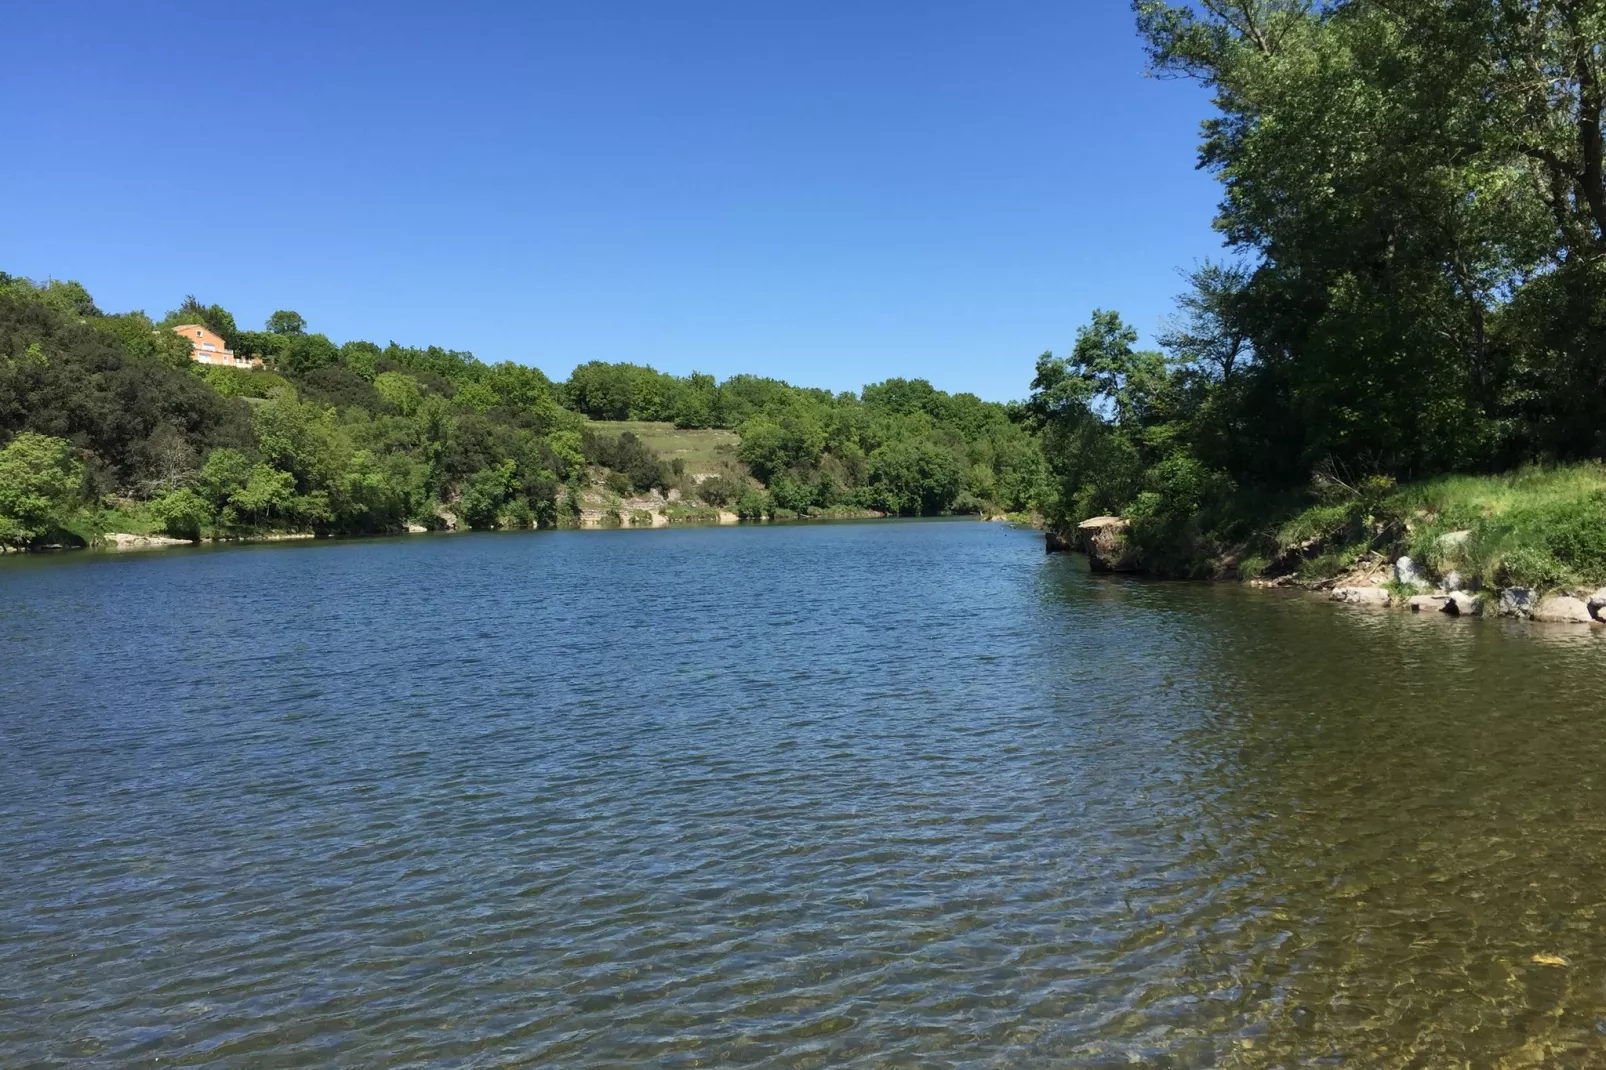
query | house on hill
[207, 347]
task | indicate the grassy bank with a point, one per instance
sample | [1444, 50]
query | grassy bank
[1538, 527]
[701, 450]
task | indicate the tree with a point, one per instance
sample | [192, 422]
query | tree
[222, 476]
[40, 483]
[286, 323]
[487, 492]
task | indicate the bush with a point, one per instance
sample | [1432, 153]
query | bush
[721, 490]
[183, 514]
[40, 484]
[753, 505]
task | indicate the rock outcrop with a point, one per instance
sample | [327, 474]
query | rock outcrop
[1104, 538]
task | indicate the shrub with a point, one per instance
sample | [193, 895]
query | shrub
[40, 482]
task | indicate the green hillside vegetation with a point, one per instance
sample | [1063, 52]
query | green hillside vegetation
[700, 450]
[1414, 210]
[107, 425]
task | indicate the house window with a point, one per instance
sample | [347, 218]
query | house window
[209, 347]
[197, 334]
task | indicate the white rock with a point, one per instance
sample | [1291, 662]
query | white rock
[1406, 572]
[1463, 604]
[1597, 604]
[123, 541]
[1428, 603]
[1452, 539]
[1361, 596]
[1452, 580]
[1560, 609]
[1516, 602]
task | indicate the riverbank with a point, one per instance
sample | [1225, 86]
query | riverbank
[118, 542]
[1529, 544]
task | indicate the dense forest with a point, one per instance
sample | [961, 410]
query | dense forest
[106, 424]
[1414, 283]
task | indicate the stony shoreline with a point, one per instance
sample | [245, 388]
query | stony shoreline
[1408, 589]
[1400, 584]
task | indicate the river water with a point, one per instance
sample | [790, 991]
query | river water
[856, 794]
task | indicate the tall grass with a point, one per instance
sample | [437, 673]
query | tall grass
[1536, 527]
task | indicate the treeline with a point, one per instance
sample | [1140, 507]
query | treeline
[107, 424]
[900, 447]
[1414, 208]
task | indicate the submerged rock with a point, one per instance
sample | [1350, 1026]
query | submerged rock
[1560, 609]
[1361, 596]
[1516, 602]
[1105, 540]
[1463, 604]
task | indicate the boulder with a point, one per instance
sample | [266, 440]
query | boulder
[1463, 604]
[1561, 609]
[1452, 540]
[1452, 581]
[1406, 572]
[1361, 596]
[1597, 604]
[1105, 540]
[1516, 602]
[1428, 603]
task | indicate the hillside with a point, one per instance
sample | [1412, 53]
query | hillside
[114, 423]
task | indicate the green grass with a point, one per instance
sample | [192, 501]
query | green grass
[710, 450]
[1537, 527]
[1542, 527]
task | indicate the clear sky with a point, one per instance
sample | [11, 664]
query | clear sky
[828, 192]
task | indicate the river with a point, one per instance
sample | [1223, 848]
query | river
[868, 794]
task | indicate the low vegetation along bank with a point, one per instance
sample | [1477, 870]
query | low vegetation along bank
[1530, 544]
[115, 424]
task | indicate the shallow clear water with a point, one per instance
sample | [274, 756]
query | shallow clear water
[861, 794]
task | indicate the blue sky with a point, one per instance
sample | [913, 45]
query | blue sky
[832, 193]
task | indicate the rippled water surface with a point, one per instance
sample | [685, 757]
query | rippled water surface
[868, 794]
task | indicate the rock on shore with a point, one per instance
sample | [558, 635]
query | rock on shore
[1561, 609]
[120, 540]
[1104, 538]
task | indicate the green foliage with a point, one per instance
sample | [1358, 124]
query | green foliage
[721, 491]
[639, 467]
[913, 478]
[354, 438]
[285, 322]
[1414, 204]
[184, 514]
[488, 492]
[40, 484]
